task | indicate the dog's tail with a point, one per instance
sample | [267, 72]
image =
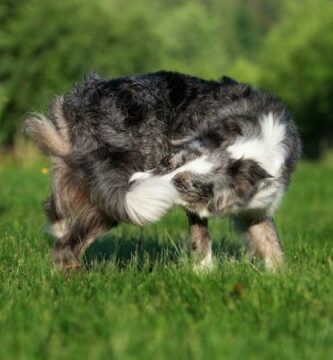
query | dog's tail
[152, 196]
[148, 200]
[50, 136]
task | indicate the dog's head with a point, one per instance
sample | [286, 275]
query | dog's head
[228, 187]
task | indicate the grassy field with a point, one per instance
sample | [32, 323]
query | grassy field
[137, 297]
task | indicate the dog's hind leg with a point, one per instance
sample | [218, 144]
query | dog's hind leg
[262, 241]
[200, 244]
[57, 226]
[79, 236]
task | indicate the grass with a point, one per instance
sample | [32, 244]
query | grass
[137, 297]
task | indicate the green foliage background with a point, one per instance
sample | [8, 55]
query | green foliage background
[285, 46]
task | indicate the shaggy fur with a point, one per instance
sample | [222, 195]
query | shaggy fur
[128, 149]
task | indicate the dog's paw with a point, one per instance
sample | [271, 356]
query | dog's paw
[204, 265]
[273, 264]
[65, 260]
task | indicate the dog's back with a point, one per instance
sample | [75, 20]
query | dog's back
[143, 112]
[106, 130]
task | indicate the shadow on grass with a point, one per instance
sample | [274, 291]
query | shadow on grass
[123, 250]
[147, 251]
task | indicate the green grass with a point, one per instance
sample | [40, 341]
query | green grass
[137, 297]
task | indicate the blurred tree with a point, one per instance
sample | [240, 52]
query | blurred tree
[190, 41]
[9, 9]
[297, 61]
[49, 45]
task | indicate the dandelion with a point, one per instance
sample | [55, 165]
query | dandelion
[44, 171]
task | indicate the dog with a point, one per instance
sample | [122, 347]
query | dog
[129, 149]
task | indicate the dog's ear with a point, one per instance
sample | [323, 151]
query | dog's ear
[244, 177]
[226, 80]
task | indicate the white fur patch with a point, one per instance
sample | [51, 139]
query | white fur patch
[150, 199]
[205, 264]
[201, 165]
[58, 229]
[267, 148]
[138, 176]
[203, 213]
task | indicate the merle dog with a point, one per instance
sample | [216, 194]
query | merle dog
[128, 149]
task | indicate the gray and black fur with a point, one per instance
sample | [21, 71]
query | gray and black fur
[128, 149]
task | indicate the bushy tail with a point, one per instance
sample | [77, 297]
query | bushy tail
[152, 196]
[51, 140]
[147, 201]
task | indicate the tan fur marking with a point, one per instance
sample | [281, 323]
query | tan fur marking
[71, 196]
[200, 244]
[46, 136]
[69, 249]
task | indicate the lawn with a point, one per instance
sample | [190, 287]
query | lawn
[137, 297]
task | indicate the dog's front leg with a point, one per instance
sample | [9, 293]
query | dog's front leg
[200, 243]
[262, 241]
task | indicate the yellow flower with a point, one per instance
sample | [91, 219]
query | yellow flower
[44, 171]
